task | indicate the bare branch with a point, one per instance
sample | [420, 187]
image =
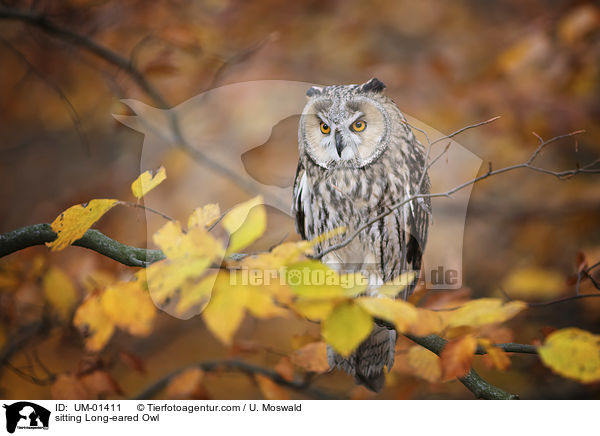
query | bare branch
[149, 209]
[22, 337]
[472, 381]
[48, 26]
[589, 168]
[73, 114]
[124, 64]
[512, 347]
[299, 385]
[39, 234]
[563, 300]
[469, 127]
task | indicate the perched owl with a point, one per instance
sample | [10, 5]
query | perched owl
[358, 156]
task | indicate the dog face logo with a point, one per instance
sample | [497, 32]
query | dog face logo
[244, 128]
[26, 415]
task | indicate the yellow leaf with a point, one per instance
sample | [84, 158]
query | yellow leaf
[72, 224]
[400, 313]
[457, 356]
[196, 242]
[95, 325]
[129, 307]
[270, 389]
[291, 252]
[573, 353]
[497, 355]
[534, 283]
[204, 216]
[60, 291]
[187, 384]
[196, 293]
[397, 286]
[245, 223]
[346, 327]
[315, 310]
[312, 357]
[169, 238]
[225, 311]
[165, 277]
[484, 311]
[428, 322]
[425, 363]
[146, 182]
[283, 255]
[312, 279]
[261, 304]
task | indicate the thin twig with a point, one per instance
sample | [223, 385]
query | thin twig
[527, 165]
[73, 114]
[469, 127]
[43, 23]
[472, 381]
[563, 300]
[299, 385]
[149, 209]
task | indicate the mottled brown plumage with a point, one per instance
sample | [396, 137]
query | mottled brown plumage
[347, 174]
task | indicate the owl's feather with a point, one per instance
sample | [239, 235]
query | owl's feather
[330, 193]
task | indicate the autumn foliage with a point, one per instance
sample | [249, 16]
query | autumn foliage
[189, 322]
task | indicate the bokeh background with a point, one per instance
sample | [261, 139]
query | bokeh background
[449, 64]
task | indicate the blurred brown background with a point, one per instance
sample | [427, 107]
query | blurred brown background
[448, 64]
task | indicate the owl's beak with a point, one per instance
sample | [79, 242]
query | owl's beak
[339, 144]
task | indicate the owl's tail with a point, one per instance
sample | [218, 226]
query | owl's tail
[369, 361]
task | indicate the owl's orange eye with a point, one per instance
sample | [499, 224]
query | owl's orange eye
[325, 129]
[359, 125]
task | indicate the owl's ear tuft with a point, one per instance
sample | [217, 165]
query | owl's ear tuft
[373, 85]
[314, 90]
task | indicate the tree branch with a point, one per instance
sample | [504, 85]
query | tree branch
[23, 336]
[472, 381]
[589, 168]
[50, 27]
[512, 347]
[39, 234]
[237, 366]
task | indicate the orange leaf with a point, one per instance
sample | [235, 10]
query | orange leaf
[312, 357]
[270, 389]
[457, 356]
[425, 363]
[498, 356]
[187, 384]
[133, 361]
[428, 322]
[100, 383]
[68, 387]
[285, 368]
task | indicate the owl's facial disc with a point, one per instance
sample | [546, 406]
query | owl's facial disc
[347, 134]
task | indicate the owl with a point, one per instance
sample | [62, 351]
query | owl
[358, 157]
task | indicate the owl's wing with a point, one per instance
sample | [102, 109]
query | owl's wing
[299, 205]
[401, 238]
